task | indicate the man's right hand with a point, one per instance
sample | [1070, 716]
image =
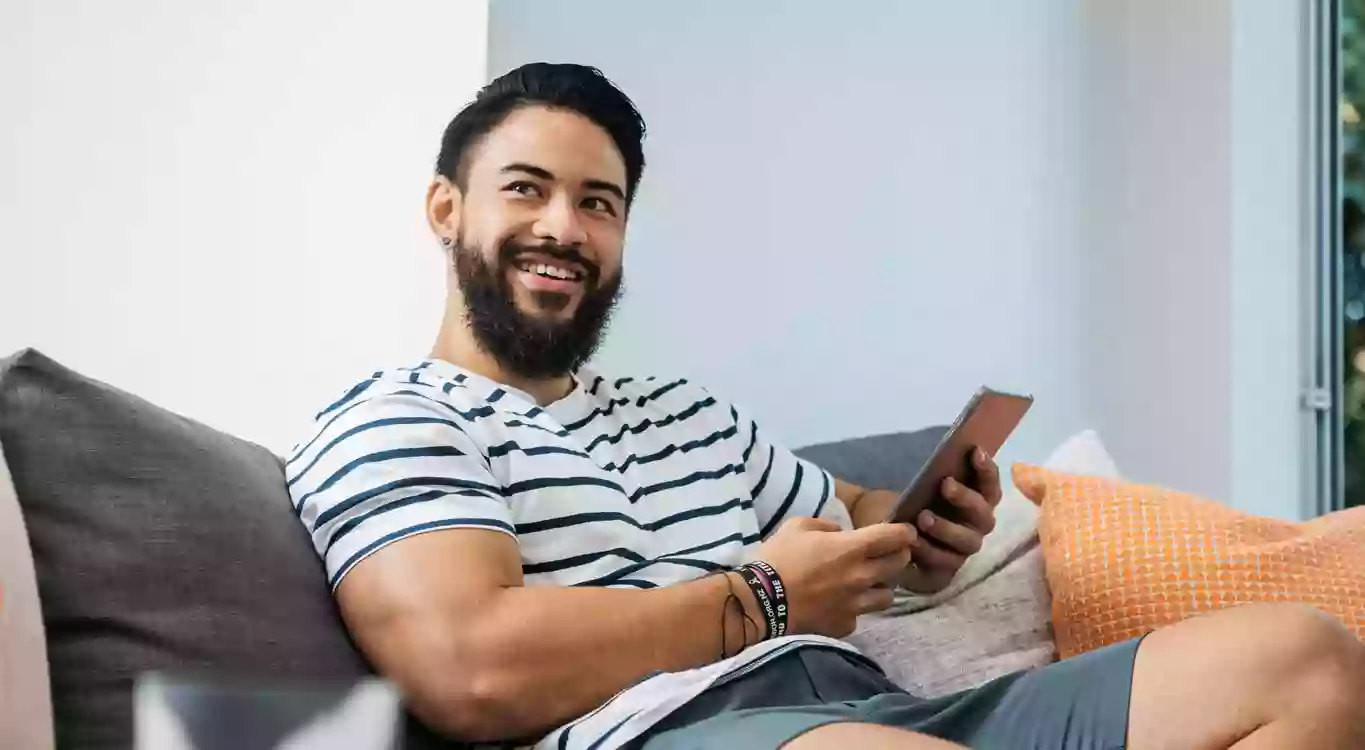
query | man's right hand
[831, 576]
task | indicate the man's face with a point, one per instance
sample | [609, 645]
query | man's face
[538, 239]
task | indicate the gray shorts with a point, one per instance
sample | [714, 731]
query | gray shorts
[1078, 703]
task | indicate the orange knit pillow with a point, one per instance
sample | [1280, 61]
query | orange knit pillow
[1124, 559]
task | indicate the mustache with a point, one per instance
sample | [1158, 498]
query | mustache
[511, 250]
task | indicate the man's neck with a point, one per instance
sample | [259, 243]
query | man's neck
[459, 348]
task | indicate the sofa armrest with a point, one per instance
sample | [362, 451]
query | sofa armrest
[25, 692]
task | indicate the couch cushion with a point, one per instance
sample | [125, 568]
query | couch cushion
[1124, 559]
[160, 544]
[883, 462]
[25, 706]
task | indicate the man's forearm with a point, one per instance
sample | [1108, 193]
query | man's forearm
[543, 656]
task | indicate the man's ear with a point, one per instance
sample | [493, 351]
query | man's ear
[443, 208]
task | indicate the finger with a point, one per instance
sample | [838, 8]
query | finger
[987, 477]
[932, 557]
[887, 568]
[875, 599]
[956, 537]
[974, 510]
[884, 538]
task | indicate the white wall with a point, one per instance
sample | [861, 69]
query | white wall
[853, 215]
[1195, 244]
[219, 206]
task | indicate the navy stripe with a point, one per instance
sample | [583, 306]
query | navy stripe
[736, 537]
[424, 365]
[415, 378]
[638, 583]
[674, 558]
[660, 392]
[533, 412]
[298, 452]
[550, 566]
[601, 411]
[620, 382]
[787, 503]
[527, 485]
[763, 479]
[596, 383]
[689, 562]
[398, 484]
[519, 423]
[670, 450]
[473, 415]
[687, 413]
[445, 523]
[581, 518]
[693, 478]
[824, 494]
[402, 502]
[511, 446]
[394, 454]
[355, 391]
[369, 426]
[495, 396]
[753, 436]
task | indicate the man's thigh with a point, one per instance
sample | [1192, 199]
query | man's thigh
[1080, 703]
[1075, 704]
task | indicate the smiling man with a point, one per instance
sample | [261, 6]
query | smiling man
[536, 552]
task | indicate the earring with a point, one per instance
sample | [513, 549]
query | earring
[445, 241]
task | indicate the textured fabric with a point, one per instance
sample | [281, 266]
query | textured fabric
[625, 482]
[1124, 559]
[635, 483]
[999, 626]
[159, 544]
[1073, 705]
[25, 705]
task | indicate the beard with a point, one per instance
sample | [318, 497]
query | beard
[525, 345]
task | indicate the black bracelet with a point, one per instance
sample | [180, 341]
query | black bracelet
[779, 594]
[756, 580]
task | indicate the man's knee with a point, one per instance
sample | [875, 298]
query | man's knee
[1313, 652]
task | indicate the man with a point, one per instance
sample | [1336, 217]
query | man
[533, 551]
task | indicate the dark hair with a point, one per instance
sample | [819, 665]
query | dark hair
[579, 88]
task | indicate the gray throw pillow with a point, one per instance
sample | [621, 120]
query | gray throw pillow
[877, 462]
[159, 544]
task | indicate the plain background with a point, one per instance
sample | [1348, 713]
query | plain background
[852, 215]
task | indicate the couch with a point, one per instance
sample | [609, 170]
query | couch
[136, 541]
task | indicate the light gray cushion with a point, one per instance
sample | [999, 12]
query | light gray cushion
[879, 462]
[159, 544]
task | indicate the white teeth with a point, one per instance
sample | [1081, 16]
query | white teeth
[554, 272]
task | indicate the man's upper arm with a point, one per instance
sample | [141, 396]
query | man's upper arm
[782, 485]
[394, 467]
[416, 535]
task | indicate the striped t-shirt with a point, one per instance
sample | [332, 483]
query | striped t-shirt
[628, 483]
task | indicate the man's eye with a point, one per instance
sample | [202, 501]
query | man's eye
[599, 204]
[524, 188]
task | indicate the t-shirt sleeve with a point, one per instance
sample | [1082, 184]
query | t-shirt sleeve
[782, 485]
[386, 469]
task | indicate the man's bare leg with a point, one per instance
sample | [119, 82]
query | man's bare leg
[851, 735]
[1256, 676]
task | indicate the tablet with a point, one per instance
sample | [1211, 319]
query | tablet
[986, 423]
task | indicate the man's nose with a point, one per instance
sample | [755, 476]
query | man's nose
[560, 223]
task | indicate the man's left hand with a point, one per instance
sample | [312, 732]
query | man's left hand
[944, 545]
